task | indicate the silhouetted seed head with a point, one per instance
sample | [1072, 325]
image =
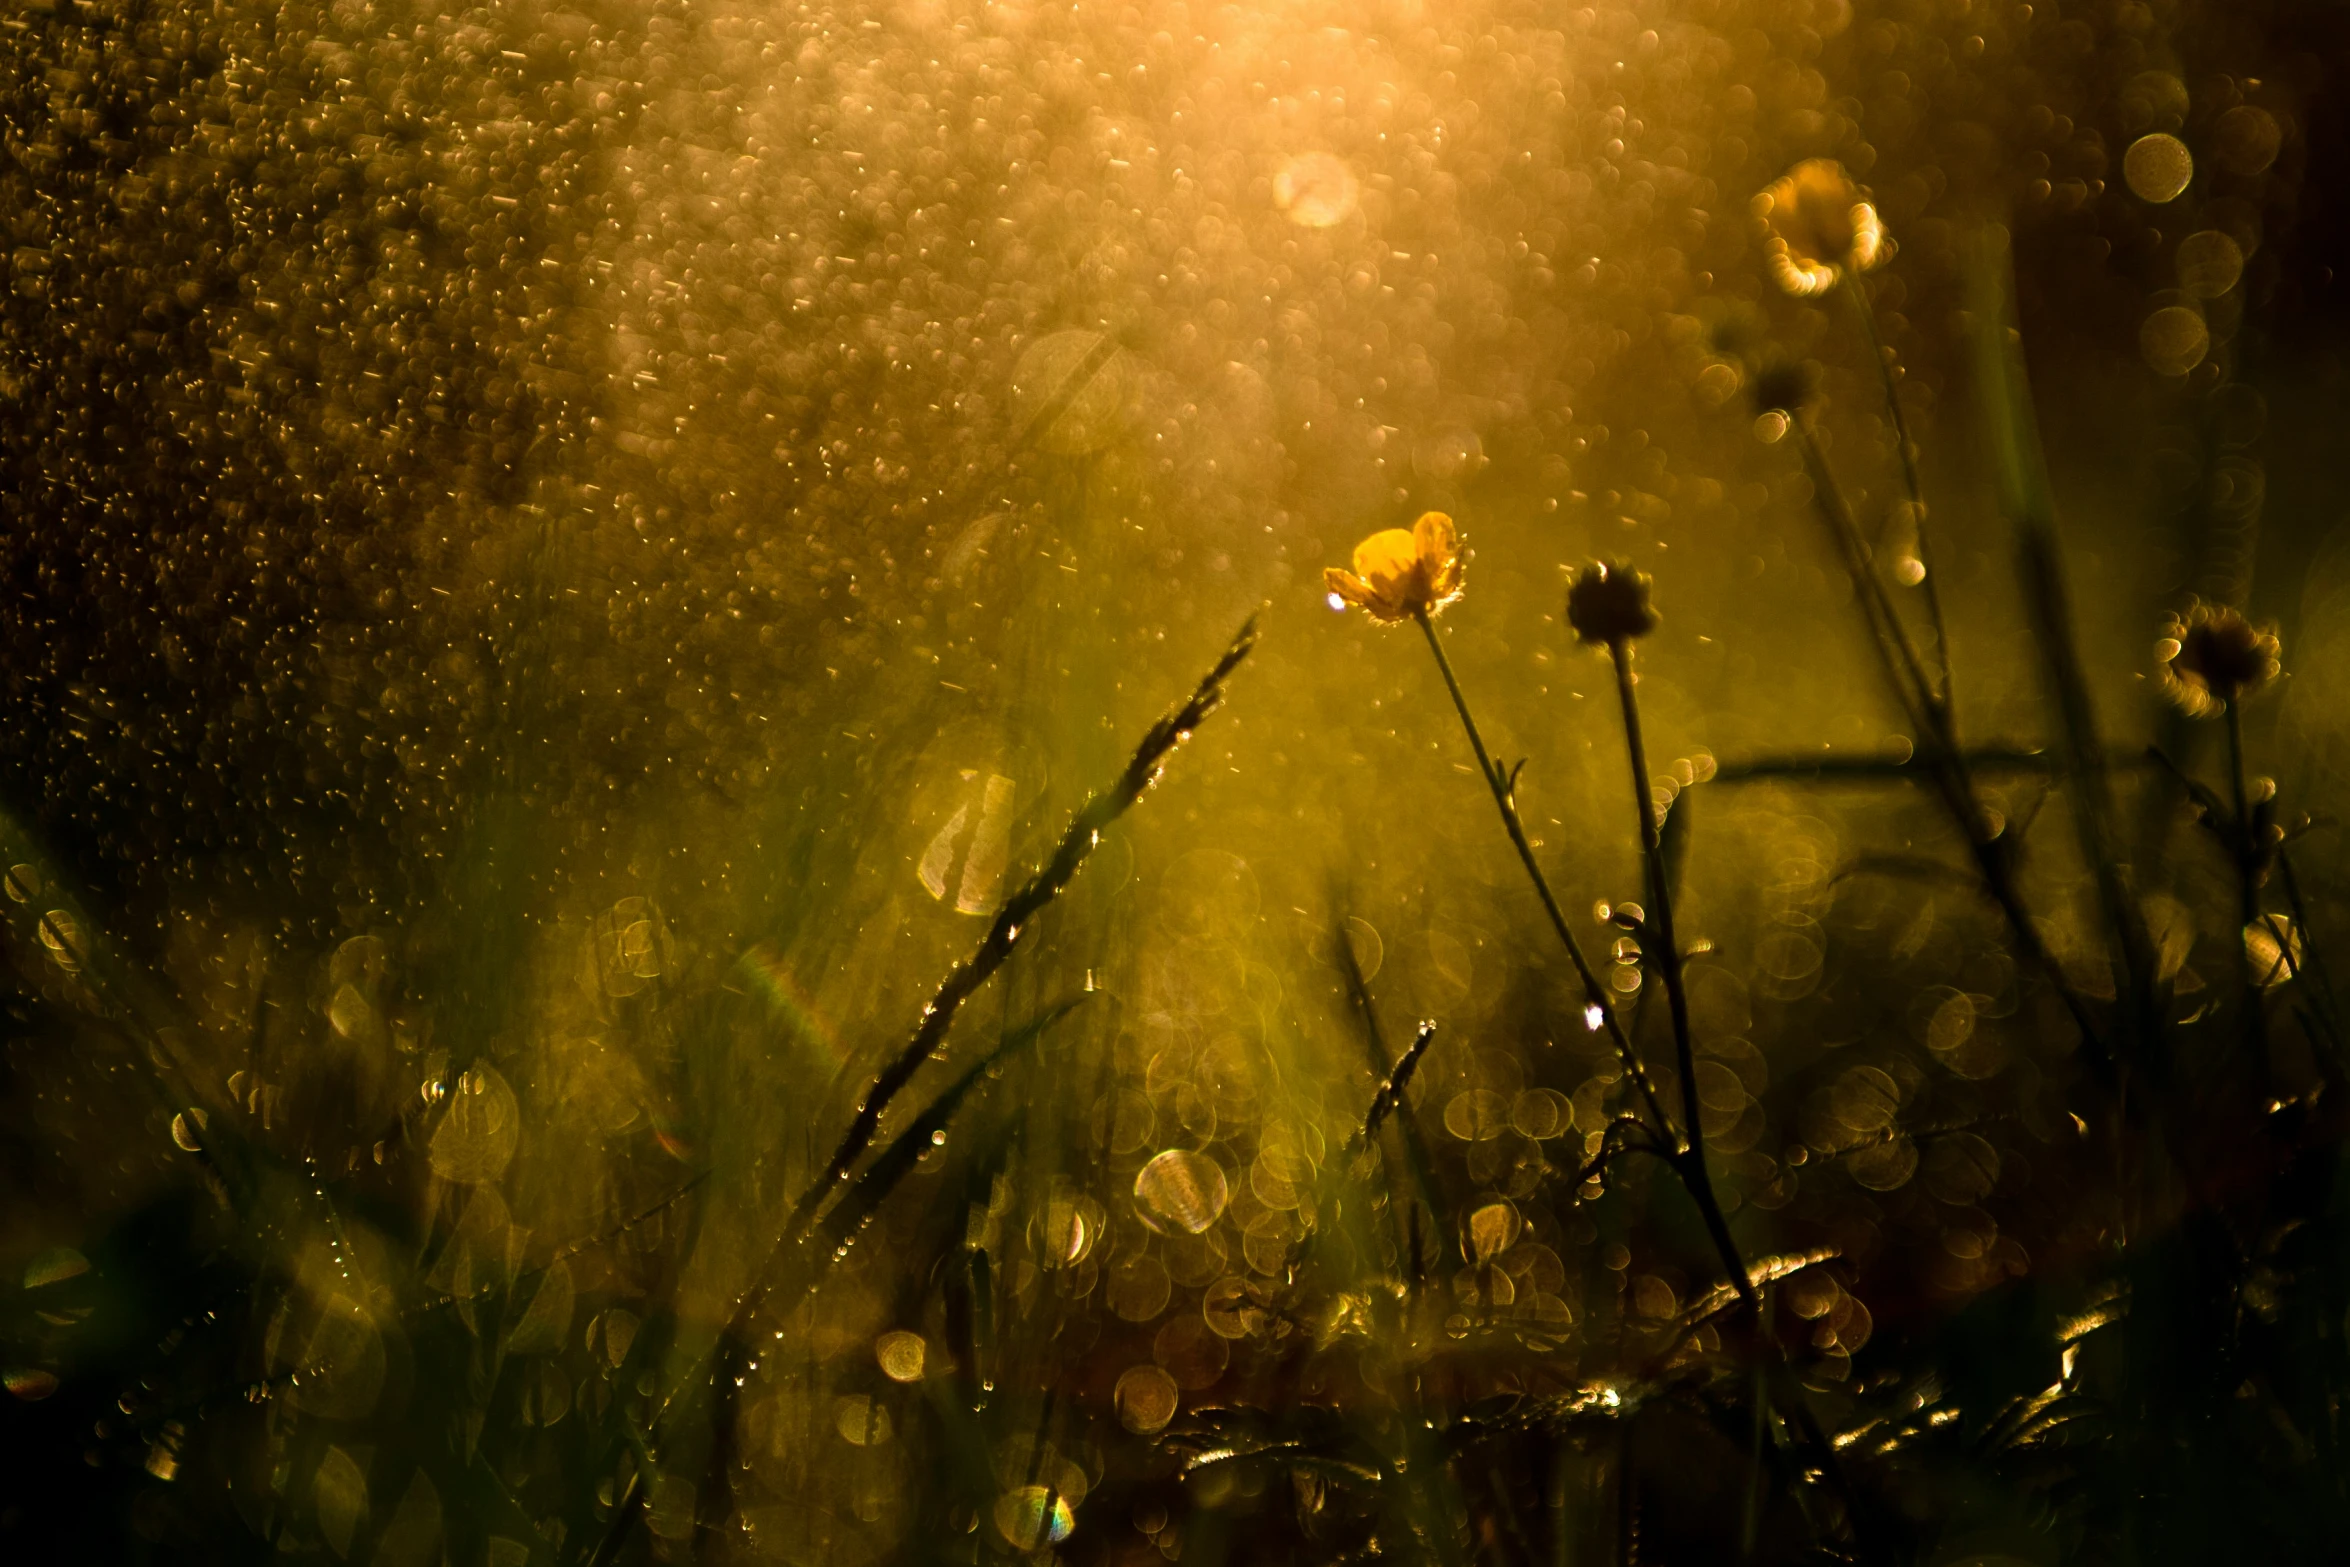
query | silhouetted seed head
[1399, 573]
[2212, 656]
[1817, 227]
[1783, 388]
[1608, 602]
[1737, 333]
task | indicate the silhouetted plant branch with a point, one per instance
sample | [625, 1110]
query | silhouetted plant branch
[1938, 752]
[1396, 1074]
[1003, 932]
[1076, 844]
[1616, 624]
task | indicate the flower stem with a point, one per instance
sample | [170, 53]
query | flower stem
[1659, 942]
[1504, 798]
[1866, 309]
[2247, 882]
[1658, 920]
[1911, 687]
[2330, 1008]
[1689, 1163]
[1937, 733]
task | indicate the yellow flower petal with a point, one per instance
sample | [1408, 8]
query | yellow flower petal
[1385, 556]
[1439, 545]
[1435, 537]
[1402, 572]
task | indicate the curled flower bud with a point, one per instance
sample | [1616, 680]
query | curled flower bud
[1608, 602]
[1818, 227]
[1400, 573]
[2212, 656]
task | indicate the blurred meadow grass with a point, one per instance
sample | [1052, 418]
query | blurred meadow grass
[570, 567]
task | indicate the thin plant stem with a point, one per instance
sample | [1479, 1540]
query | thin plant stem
[2247, 884]
[1504, 799]
[1077, 842]
[2311, 957]
[1392, 1076]
[1944, 761]
[1866, 309]
[995, 948]
[1689, 1161]
[2023, 477]
[1911, 687]
[1658, 922]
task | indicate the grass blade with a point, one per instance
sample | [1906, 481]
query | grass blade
[1391, 1091]
[1084, 832]
[2024, 490]
[865, 1195]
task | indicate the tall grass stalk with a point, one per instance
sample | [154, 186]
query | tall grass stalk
[1392, 1077]
[1936, 732]
[1856, 288]
[2248, 868]
[2029, 501]
[995, 947]
[1077, 843]
[1659, 945]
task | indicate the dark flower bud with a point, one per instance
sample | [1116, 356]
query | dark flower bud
[1783, 388]
[1608, 602]
[2212, 656]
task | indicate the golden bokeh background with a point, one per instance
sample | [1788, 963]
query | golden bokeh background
[562, 561]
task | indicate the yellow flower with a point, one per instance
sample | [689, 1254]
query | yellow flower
[1400, 573]
[1817, 227]
[2212, 656]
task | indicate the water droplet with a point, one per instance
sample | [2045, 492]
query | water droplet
[1540, 1113]
[1138, 1288]
[1317, 190]
[2247, 139]
[1476, 1114]
[1182, 1190]
[1071, 390]
[861, 1421]
[1231, 1310]
[2210, 263]
[1065, 1232]
[61, 934]
[2174, 340]
[2273, 947]
[2158, 167]
[1884, 1167]
[476, 1137]
[1032, 1517]
[1146, 1398]
[1493, 1229]
[902, 1355]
